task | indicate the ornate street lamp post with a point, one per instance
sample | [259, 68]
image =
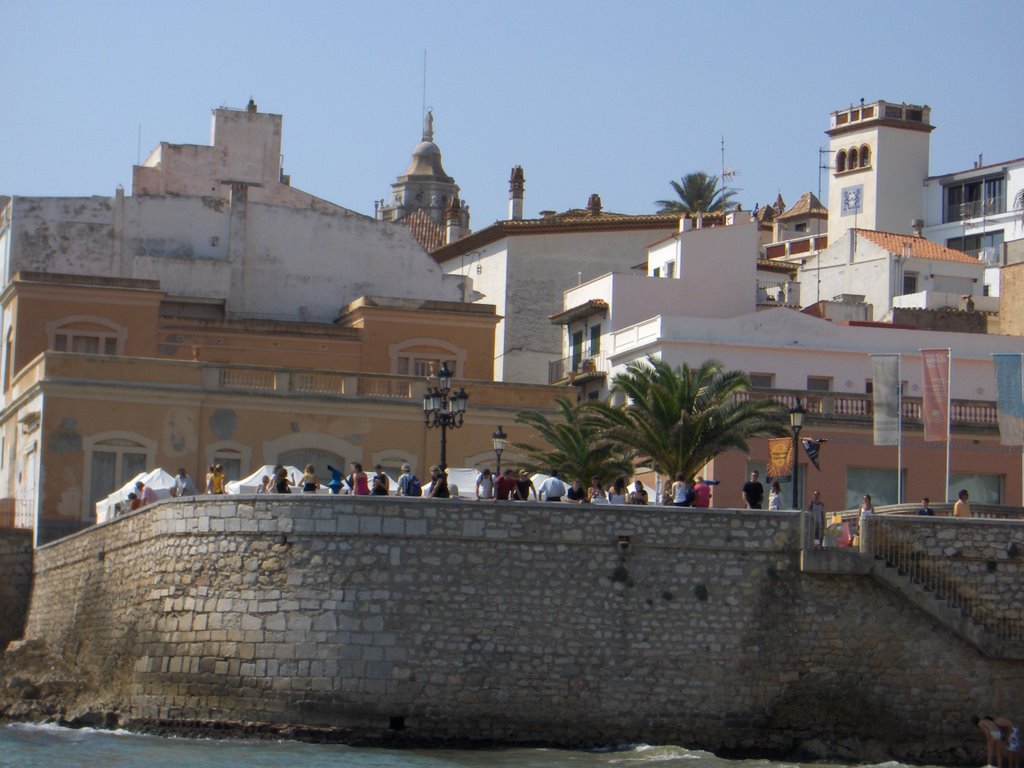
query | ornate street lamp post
[500, 439]
[443, 409]
[796, 423]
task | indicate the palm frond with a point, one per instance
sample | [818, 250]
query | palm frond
[679, 419]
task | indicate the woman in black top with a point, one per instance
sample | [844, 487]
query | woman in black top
[438, 484]
[310, 484]
[577, 494]
[282, 484]
[523, 487]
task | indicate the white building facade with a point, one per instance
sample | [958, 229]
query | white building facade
[523, 267]
[222, 224]
[789, 354]
[973, 211]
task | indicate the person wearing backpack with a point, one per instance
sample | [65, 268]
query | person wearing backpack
[408, 483]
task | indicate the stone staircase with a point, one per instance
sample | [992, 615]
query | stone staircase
[941, 607]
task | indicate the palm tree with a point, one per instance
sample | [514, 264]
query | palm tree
[699, 192]
[679, 419]
[573, 447]
[1018, 203]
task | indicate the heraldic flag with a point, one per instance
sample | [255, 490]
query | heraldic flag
[812, 448]
[780, 459]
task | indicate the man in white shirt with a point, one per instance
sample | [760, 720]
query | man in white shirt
[552, 489]
[183, 485]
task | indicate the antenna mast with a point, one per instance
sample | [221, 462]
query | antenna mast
[723, 164]
[424, 112]
[823, 165]
[727, 173]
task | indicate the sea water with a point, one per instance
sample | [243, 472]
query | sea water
[49, 746]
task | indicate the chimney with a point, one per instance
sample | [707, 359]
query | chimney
[685, 223]
[594, 204]
[515, 193]
[452, 215]
[917, 225]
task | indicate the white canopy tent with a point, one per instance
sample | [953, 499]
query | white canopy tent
[160, 481]
[251, 483]
[464, 478]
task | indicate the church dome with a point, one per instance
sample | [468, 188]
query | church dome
[426, 157]
[426, 161]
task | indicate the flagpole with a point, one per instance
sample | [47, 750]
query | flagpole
[899, 429]
[949, 412]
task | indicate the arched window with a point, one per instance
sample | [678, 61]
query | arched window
[234, 457]
[841, 161]
[853, 158]
[111, 460]
[865, 156]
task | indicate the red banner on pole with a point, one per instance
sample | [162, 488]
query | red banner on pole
[935, 390]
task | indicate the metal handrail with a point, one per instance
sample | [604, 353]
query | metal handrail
[959, 589]
[559, 370]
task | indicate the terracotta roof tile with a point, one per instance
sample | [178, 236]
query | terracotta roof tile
[807, 205]
[918, 247]
[427, 232]
[585, 309]
[575, 220]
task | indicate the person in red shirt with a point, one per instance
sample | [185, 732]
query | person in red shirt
[504, 486]
[702, 493]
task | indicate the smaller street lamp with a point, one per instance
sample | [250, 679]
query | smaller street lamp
[796, 423]
[500, 439]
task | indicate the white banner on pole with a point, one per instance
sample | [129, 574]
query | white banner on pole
[886, 406]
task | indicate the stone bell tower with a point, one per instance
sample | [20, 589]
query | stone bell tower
[425, 186]
[879, 161]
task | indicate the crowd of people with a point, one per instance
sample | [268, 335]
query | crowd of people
[518, 486]
[513, 485]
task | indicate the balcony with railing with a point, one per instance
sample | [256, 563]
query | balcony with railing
[795, 247]
[245, 381]
[777, 293]
[834, 406]
[17, 512]
[974, 209]
[583, 366]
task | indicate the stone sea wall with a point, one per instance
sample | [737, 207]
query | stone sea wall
[15, 581]
[513, 623]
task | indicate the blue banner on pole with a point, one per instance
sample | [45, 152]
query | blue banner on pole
[1010, 397]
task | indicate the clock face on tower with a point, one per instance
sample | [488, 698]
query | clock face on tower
[852, 200]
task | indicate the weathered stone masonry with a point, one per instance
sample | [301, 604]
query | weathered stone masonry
[15, 581]
[507, 622]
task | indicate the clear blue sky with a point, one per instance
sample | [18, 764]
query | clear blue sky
[589, 96]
